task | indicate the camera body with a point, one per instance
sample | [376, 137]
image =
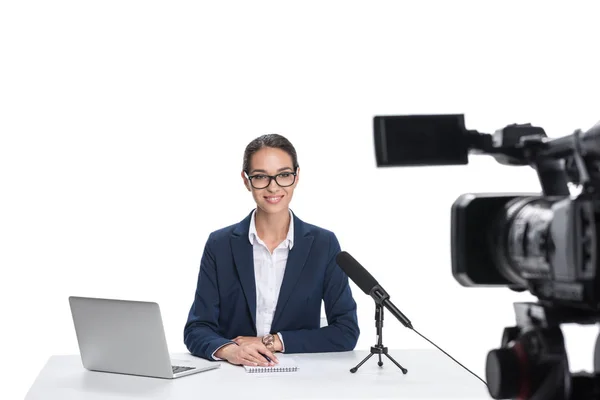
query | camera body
[545, 242]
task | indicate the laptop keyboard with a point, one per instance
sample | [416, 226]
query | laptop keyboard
[177, 369]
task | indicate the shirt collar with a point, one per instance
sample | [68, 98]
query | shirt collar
[253, 235]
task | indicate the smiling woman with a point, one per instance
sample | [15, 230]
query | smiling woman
[262, 280]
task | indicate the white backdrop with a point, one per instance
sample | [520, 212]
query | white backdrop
[123, 125]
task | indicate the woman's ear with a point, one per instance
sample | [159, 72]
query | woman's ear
[246, 181]
[297, 176]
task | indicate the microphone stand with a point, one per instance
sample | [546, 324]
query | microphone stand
[379, 348]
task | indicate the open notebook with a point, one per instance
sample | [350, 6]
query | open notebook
[285, 365]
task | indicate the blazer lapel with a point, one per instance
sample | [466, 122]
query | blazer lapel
[243, 258]
[295, 264]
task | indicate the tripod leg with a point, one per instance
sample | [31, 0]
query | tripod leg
[404, 370]
[353, 370]
[380, 363]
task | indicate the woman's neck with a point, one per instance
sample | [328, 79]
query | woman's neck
[272, 227]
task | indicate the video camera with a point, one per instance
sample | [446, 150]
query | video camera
[547, 243]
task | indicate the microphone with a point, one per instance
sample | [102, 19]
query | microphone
[368, 284]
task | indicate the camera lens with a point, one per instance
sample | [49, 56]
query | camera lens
[521, 241]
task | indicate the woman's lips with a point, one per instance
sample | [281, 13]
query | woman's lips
[273, 199]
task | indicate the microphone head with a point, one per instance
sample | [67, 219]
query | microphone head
[356, 272]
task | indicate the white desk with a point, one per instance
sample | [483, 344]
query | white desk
[431, 375]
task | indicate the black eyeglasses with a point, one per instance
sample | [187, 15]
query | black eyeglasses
[261, 181]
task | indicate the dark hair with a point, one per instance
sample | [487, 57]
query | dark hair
[270, 140]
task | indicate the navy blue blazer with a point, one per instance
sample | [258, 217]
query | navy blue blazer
[224, 306]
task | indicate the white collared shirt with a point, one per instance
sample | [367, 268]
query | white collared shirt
[269, 270]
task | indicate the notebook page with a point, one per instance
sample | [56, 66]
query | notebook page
[285, 365]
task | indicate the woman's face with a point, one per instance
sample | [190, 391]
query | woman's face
[271, 161]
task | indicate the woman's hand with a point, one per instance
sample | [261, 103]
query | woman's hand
[248, 352]
[277, 346]
[240, 340]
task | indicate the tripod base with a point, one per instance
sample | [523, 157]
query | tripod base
[379, 350]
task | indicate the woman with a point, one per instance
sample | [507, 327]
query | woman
[262, 280]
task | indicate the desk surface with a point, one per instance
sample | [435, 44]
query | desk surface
[431, 375]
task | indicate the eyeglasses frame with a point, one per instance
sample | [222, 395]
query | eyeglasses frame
[271, 178]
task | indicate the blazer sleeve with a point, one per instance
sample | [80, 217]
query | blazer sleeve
[201, 333]
[342, 331]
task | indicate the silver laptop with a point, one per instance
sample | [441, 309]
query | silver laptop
[127, 337]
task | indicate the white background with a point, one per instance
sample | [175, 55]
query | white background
[123, 125]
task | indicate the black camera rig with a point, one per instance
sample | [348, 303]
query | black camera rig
[547, 243]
